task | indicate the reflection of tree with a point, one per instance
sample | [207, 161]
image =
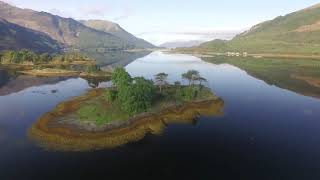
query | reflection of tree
[64, 138]
[4, 77]
[23, 81]
[95, 82]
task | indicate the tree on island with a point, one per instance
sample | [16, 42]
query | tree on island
[139, 96]
[135, 95]
[201, 80]
[120, 77]
[191, 76]
[161, 80]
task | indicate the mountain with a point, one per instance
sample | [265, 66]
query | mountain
[118, 31]
[15, 37]
[180, 44]
[295, 33]
[67, 31]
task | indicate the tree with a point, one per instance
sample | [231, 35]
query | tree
[120, 77]
[44, 58]
[201, 79]
[191, 76]
[161, 80]
[138, 96]
[135, 95]
[177, 83]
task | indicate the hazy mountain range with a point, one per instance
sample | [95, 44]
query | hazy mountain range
[64, 32]
[295, 33]
[179, 44]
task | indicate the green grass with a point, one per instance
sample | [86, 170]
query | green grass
[98, 112]
[101, 111]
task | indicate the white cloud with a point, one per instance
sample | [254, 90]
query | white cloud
[158, 37]
[97, 10]
[124, 13]
[58, 12]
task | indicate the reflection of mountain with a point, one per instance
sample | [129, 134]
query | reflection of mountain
[300, 76]
[22, 82]
[4, 77]
[117, 58]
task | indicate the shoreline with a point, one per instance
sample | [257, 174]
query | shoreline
[254, 55]
[64, 73]
[48, 133]
[50, 71]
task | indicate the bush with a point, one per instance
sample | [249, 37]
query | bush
[187, 93]
[92, 69]
[111, 95]
[121, 78]
[137, 97]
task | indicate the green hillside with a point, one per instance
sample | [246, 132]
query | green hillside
[295, 33]
[14, 37]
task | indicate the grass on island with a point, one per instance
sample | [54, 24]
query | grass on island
[130, 97]
[101, 111]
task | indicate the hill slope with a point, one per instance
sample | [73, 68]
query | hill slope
[295, 33]
[118, 31]
[67, 31]
[15, 37]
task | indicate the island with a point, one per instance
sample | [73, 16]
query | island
[126, 112]
[71, 64]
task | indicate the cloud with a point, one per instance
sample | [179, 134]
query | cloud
[96, 10]
[125, 13]
[58, 12]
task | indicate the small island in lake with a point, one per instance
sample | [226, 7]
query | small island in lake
[124, 113]
[52, 65]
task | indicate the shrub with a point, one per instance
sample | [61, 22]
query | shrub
[111, 95]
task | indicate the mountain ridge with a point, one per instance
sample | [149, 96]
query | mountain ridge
[294, 33]
[116, 30]
[67, 31]
[15, 37]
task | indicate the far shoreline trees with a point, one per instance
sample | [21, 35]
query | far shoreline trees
[29, 57]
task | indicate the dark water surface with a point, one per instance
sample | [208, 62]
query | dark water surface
[266, 132]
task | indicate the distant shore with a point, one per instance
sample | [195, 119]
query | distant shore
[255, 55]
[50, 72]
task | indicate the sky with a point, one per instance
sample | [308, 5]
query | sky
[172, 20]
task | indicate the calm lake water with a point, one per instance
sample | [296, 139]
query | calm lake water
[266, 132]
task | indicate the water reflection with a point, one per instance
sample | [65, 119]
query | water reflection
[297, 75]
[21, 82]
[109, 60]
[264, 128]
